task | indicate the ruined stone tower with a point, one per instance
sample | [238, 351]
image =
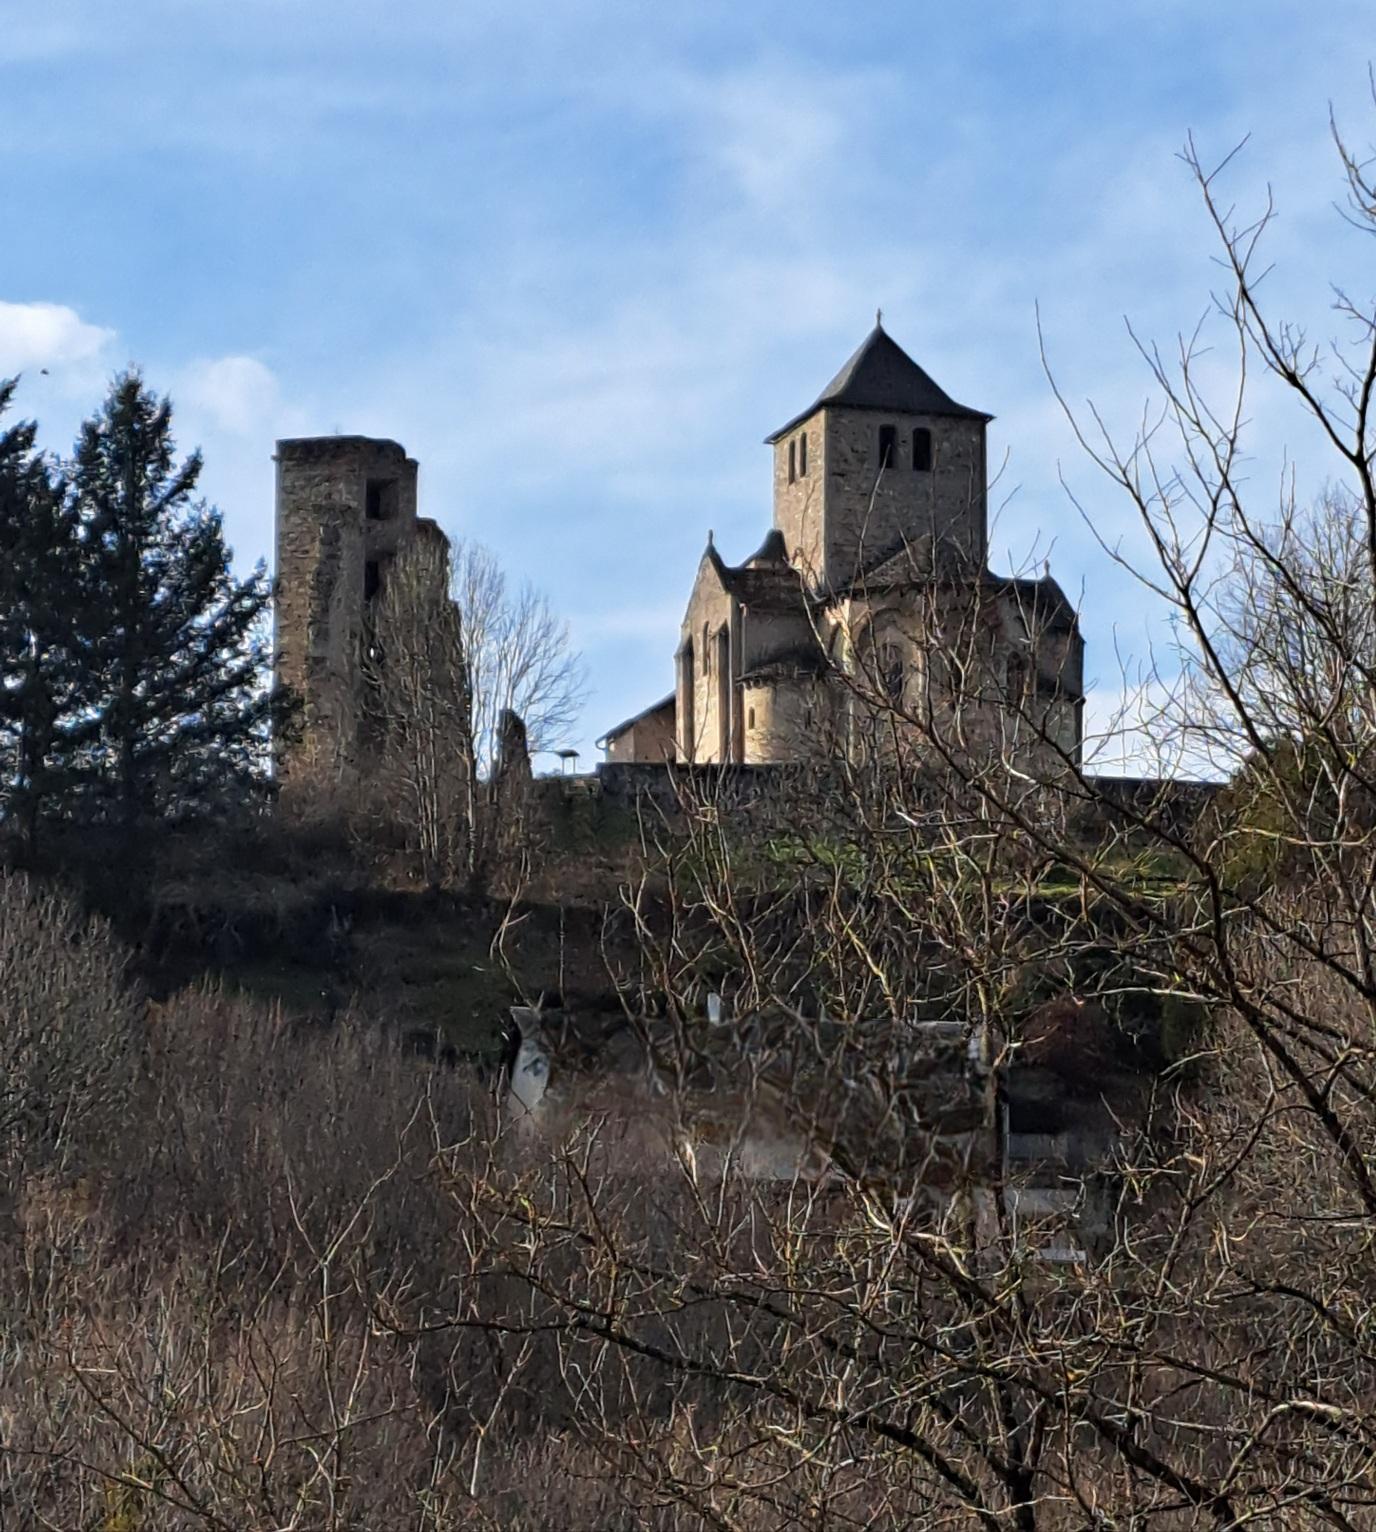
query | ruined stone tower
[345, 506]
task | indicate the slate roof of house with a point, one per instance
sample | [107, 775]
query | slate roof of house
[882, 376]
[635, 718]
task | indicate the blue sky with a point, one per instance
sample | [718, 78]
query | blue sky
[580, 258]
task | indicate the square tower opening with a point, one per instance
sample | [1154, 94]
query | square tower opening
[380, 499]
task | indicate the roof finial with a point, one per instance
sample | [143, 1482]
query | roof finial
[879, 319]
[709, 537]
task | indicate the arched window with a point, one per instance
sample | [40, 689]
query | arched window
[922, 450]
[792, 461]
[888, 446]
[802, 456]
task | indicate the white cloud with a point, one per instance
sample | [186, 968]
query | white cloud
[234, 394]
[37, 335]
[771, 137]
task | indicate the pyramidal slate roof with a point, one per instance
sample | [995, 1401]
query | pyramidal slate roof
[882, 376]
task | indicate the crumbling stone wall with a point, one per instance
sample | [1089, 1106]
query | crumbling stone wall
[345, 505]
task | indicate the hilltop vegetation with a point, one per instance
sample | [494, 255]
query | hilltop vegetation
[277, 1254]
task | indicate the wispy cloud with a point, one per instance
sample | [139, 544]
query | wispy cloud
[47, 335]
[237, 395]
[581, 258]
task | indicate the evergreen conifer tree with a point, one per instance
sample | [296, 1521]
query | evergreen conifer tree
[44, 723]
[178, 648]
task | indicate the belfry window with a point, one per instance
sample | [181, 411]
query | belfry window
[802, 456]
[888, 446]
[792, 461]
[922, 450]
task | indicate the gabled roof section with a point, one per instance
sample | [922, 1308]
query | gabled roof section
[664, 705]
[925, 562]
[882, 376]
[766, 581]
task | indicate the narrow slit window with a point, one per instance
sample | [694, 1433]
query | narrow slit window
[802, 456]
[922, 450]
[750, 719]
[888, 445]
[792, 461]
[372, 579]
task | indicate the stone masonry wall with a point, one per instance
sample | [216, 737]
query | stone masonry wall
[798, 501]
[650, 738]
[866, 512]
[788, 719]
[331, 555]
[706, 709]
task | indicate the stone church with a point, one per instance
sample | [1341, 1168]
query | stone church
[870, 599]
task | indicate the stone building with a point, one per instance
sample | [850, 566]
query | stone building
[346, 507]
[648, 736]
[872, 587]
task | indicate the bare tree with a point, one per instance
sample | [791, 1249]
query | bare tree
[824, 1260]
[421, 708]
[519, 656]
[458, 666]
[881, 1351]
[70, 1030]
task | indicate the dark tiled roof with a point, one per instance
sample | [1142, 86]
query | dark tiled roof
[882, 376]
[900, 563]
[766, 581]
[922, 562]
[773, 550]
[1042, 600]
[626, 723]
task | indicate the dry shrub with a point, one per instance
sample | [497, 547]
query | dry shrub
[70, 1028]
[198, 1322]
